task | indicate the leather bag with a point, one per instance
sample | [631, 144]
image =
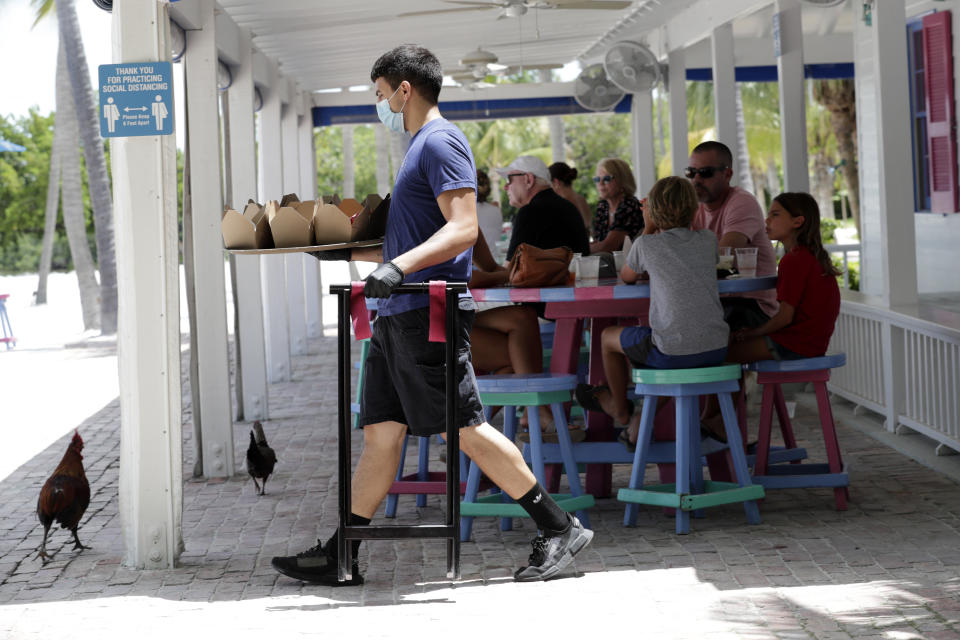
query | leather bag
[534, 267]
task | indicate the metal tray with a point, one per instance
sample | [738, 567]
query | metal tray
[320, 247]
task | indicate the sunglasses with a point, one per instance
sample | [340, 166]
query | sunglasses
[511, 176]
[703, 172]
[604, 179]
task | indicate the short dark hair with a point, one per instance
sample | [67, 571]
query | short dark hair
[718, 147]
[414, 64]
[563, 172]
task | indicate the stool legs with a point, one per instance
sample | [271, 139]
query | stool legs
[840, 494]
[644, 437]
[390, 509]
[738, 453]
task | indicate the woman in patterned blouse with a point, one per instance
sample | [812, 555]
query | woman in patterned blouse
[616, 188]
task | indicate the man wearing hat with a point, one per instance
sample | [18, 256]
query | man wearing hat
[545, 220]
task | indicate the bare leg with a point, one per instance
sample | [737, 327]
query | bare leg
[498, 458]
[616, 368]
[751, 350]
[382, 444]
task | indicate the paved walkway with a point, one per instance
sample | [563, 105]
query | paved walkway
[887, 568]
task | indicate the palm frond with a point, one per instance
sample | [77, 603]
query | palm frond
[43, 9]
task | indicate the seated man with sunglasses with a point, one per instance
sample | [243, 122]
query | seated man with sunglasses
[737, 219]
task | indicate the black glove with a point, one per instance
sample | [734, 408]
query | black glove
[383, 280]
[333, 254]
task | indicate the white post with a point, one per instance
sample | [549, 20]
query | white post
[294, 262]
[272, 276]
[677, 85]
[308, 188]
[346, 131]
[898, 253]
[641, 129]
[788, 47]
[557, 139]
[148, 335]
[243, 169]
[381, 142]
[203, 111]
[398, 149]
[724, 90]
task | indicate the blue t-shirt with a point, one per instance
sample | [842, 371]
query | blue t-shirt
[438, 159]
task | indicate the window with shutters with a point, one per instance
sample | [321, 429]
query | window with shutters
[933, 109]
[918, 116]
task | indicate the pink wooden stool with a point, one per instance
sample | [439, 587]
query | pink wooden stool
[773, 373]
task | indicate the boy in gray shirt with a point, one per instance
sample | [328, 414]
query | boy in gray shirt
[686, 320]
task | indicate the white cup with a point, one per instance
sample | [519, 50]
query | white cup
[574, 267]
[747, 261]
[589, 269]
[725, 260]
[619, 258]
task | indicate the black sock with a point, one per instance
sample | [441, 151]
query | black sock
[354, 544]
[543, 509]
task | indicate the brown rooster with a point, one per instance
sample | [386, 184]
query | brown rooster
[260, 457]
[64, 496]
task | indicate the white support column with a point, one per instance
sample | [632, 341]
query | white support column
[203, 111]
[294, 262]
[243, 168]
[557, 139]
[346, 131]
[398, 149]
[308, 187]
[724, 90]
[148, 335]
[381, 142]
[272, 276]
[898, 251]
[677, 85]
[788, 48]
[641, 128]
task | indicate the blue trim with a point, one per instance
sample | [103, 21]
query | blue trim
[467, 110]
[768, 73]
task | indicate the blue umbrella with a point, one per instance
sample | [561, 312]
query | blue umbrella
[9, 146]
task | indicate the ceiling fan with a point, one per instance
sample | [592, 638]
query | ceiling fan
[517, 8]
[478, 64]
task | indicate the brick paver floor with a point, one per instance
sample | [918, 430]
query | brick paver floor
[889, 567]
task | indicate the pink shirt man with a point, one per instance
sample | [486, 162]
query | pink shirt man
[740, 212]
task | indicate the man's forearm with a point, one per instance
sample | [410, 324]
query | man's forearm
[368, 254]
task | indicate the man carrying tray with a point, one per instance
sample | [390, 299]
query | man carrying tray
[430, 234]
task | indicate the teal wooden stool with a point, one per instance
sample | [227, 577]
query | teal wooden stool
[531, 390]
[690, 492]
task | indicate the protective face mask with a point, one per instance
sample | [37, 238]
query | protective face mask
[392, 120]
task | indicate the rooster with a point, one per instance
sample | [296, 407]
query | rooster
[260, 457]
[64, 496]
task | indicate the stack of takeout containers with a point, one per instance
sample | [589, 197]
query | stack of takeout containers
[308, 225]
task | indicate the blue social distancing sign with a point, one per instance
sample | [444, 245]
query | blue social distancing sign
[136, 99]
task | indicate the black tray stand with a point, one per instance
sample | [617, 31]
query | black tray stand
[450, 531]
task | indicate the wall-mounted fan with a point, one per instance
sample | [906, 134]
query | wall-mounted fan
[224, 76]
[631, 66]
[594, 91]
[517, 8]
[178, 41]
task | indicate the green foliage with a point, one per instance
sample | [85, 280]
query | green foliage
[590, 139]
[329, 145]
[828, 228]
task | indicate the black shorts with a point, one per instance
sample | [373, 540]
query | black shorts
[404, 376]
[743, 313]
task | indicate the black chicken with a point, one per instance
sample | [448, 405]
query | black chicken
[64, 496]
[260, 457]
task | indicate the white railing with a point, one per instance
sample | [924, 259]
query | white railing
[901, 366]
[845, 250]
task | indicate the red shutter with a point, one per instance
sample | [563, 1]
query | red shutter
[941, 128]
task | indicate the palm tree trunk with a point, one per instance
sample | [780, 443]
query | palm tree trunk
[97, 178]
[50, 216]
[743, 151]
[72, 193]
[840, 98]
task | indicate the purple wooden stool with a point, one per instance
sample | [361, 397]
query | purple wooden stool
[773, 373]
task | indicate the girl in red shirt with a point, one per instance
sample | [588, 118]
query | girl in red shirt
[806, 289]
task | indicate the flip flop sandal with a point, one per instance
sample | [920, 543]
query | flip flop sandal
[624, 438]
[586, 396]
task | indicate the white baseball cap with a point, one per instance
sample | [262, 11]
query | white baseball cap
[527, 164]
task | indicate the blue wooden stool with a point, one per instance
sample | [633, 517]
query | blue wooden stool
[531, 390]
[5, 323]
[771, 374]
[690, 492]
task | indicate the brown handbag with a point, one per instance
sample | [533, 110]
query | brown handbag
[534, 267]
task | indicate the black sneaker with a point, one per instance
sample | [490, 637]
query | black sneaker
[316, 565]
[553, 552]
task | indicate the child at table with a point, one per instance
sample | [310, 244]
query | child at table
[686, 319]
[807, 291]
[807, 288]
